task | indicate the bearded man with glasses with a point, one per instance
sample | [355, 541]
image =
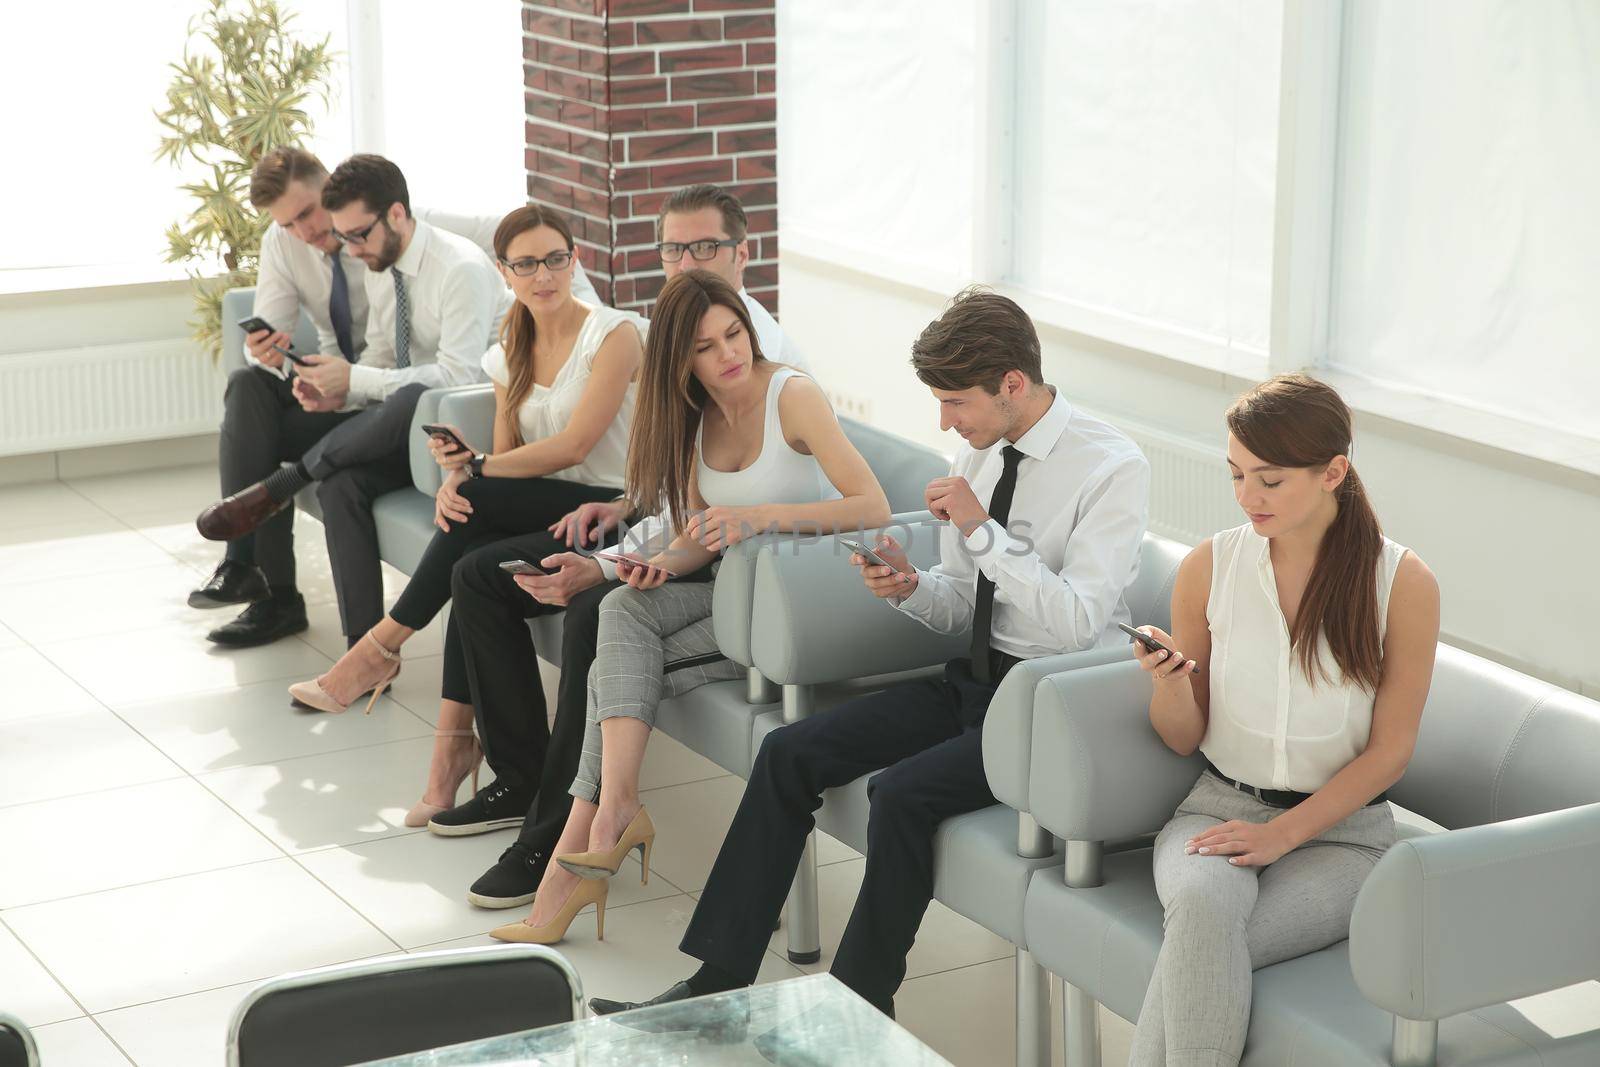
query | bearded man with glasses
[433, 300]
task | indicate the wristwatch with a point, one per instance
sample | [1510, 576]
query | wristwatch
[475, 465]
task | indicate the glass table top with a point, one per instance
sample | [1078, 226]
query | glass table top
[802, 1022]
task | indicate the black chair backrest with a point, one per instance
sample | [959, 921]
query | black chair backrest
[16, 1044]
[402, 1004]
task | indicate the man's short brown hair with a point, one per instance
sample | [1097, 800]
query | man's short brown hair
[697, 197]
[980, 337]
[371, 179]
[272, 174]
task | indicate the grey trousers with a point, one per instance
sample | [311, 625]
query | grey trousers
[652, 645]
[1222, 922]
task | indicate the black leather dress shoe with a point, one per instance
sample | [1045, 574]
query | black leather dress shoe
[262, 623]
[230, 583]
[602, 1006]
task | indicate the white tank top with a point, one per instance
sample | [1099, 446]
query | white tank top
[779, 475]
[1269, 726]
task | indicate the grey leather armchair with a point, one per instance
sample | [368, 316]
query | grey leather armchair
[1447, 928]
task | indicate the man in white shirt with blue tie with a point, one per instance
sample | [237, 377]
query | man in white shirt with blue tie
[433, 301]
[1044, 510]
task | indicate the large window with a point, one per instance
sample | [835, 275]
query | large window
[82, 82]
[1467, 227]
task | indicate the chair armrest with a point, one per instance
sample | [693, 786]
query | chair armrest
[813, 621]
[1460, 920]
[1008, 724]
[1099, 771]
[461, 405]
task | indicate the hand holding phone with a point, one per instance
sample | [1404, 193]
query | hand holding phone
[449, 436]
[522, 566]
[623, 560]
[1152, 645]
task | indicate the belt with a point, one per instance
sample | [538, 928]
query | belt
[1276, 798]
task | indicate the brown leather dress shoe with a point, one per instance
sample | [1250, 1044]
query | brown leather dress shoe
[237, 515]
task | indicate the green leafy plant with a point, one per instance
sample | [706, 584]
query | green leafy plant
[241, 90]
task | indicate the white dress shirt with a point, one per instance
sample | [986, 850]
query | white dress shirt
[775, 344]
[1269, 725]
[293, 275]
[457, 299]
[1077, 520]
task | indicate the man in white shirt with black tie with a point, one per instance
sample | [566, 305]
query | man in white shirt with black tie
[433, 302]
[303, 266]
[1045, 508]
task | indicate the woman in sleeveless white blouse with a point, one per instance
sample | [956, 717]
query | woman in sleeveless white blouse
[733, 445]
[564, 382]
[1317, 636]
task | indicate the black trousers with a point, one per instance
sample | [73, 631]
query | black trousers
[264, 426]
[927, 738]
[488, 623]
[502, 508]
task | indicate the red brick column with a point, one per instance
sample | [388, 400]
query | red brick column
[628, 100]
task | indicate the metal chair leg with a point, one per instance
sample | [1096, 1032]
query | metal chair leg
[1416, 1043]
[801, 913]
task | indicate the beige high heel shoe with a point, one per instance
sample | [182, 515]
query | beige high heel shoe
[421, 812]
[312, 695]
[640, 833]
[583, 894]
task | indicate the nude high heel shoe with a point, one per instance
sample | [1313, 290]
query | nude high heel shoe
[583, 894]
[312, 695]
[421, 812]
[640, 833]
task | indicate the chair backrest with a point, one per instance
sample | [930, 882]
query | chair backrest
[374, 1009]
[1150, 596]
[904, 468]
[1496, 744]
[16, 1044]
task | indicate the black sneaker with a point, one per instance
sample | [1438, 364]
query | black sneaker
[230, 583]
[263, 622]
[513, 879]
[492, 807]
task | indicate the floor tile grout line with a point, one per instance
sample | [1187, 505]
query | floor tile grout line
[962, 967]
[9, 908]
[43, 967]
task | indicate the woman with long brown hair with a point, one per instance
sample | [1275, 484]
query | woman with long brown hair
[1303, 650]
[732, 444]
[563, 377]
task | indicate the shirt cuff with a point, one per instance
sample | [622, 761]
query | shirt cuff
[277, 372]
[921, 599]
[607, 568]
[366, 383]
[987, 544]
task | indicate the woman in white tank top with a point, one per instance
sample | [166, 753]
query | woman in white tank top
[1313, 639]
[733, 445]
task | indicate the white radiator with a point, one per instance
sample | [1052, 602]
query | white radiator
[107, 394]
[1191, 497]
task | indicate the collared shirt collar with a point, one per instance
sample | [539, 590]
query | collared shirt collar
[1041, 439]
[410, 261]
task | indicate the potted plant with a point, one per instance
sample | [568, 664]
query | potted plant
[241, 90]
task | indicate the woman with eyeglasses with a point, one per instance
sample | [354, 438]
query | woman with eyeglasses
[564, 383]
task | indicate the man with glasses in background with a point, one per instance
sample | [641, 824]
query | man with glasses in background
[433, 301]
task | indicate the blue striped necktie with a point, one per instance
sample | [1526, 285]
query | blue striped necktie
[339, 309]
[402, 321]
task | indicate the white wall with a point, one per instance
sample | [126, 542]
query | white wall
[1510, 539]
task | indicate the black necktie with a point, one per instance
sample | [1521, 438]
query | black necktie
[339, 309]
[983, 610]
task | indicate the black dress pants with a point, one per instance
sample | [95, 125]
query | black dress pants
[925, 739]
[488, 620]
[263, 427]
[502, 509]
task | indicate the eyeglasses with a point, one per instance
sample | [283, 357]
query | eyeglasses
[358, 237]
[672, 251]
[528, 266]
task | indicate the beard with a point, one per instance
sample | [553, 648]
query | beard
[390, 252]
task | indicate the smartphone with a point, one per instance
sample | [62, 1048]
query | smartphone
[1149, 642]
[255, 324]
[434, 430]
[288, 355]
[522, 566]
[862, 550]
[635, 561]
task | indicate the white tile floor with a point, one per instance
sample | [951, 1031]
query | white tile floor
[175, 831]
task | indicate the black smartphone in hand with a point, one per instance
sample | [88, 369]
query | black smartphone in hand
[435, 430]
[255, 324]
[1150, 643]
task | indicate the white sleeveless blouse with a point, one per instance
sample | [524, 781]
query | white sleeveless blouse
[779, 475]
[1269, 726]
